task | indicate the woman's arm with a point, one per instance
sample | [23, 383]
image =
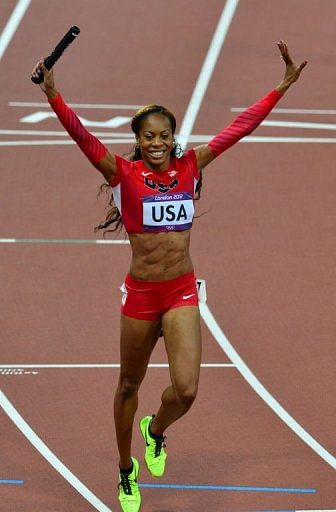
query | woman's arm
[94, 150]
[248, 120]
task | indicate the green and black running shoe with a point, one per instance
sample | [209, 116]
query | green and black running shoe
[155, 455]
[129, 494]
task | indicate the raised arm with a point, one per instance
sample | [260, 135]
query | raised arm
[93, 149]
[248, 120]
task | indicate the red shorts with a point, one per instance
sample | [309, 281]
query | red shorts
[148, 300]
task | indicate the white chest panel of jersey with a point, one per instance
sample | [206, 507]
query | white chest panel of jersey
[168, 212]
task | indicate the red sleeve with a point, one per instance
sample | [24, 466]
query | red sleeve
[123, 168]
[245, 123]
[90, 145]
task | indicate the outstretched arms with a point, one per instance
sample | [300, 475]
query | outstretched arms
[248, 120]
[95, 151]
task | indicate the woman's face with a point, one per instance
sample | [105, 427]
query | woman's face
[156, 141]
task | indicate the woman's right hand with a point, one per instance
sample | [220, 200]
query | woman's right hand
[48, 84]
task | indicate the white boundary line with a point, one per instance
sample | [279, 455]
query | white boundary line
[105, 365]
[207, 70]
[260, 389]
[41, 447]
[299, 124]
[109, 106]
[59, 133]
[12, 25]
[206, 314]
[305, 111]
[193, 138]
[58, 142]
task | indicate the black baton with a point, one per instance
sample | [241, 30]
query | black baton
[57, 52]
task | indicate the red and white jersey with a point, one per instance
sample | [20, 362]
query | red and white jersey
[152, 201]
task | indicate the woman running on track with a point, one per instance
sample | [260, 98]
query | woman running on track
[154, 190]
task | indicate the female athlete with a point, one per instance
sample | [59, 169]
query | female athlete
[153, 191]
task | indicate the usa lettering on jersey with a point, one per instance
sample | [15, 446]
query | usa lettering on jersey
[168, 212]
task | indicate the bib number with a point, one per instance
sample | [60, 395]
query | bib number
[168, 212]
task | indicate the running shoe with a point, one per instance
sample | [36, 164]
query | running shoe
[129, 494]
[155, 455]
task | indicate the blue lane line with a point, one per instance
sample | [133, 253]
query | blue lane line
[227, 488]
[12, 482]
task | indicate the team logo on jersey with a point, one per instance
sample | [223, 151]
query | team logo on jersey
[161, 187]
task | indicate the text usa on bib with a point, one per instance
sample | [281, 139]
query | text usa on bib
[168, 212]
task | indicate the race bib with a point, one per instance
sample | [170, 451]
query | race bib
[168, 212]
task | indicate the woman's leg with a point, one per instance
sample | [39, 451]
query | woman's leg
[182, 333]
[137, 340]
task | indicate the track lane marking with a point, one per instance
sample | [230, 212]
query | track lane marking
[12, 25]
[304, 111]
[257, 386]
[76, 105]
[207, 70]
[59, 133]
[202, 139]
[54, 461]
[11, 482]
[299, 124]
[239, 488]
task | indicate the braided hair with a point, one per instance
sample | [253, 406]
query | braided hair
[113, 216]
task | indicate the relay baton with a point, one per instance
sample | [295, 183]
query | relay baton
[57, 52]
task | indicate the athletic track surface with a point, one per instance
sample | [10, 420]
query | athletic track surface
[261, 435]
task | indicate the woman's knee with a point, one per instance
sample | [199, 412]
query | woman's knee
[186, 395]
[128, 387]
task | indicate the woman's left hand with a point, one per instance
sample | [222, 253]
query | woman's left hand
[292, 72]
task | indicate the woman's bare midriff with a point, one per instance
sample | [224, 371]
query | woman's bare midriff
[160, 256]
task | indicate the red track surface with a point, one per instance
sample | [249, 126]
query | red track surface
[266, 249]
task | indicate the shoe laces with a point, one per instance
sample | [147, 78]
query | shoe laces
[159, 444]
[125, 484]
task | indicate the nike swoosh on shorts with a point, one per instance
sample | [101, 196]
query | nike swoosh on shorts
[185, 297]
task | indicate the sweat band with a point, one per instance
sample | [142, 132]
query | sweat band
[244, 124]
[88, 143]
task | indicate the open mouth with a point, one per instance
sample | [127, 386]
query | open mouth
[157, 154]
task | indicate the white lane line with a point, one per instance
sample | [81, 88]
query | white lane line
[12, 25]
[250, 139]
[59, 133]
[109, 106]
[59, 142]
[60, 241]
[260, 389]
[40, 446]
[104, 365]
[299, 124]
[305, 111]
[256, 139]
[207, 70]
